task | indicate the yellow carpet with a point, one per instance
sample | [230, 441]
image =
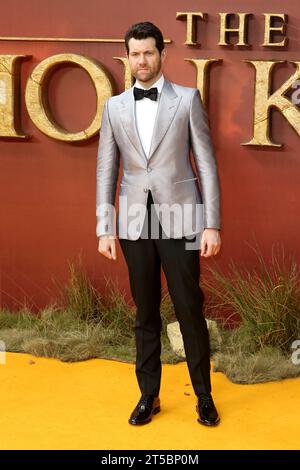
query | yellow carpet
[49, 404]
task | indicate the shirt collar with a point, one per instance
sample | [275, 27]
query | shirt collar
[158, 84]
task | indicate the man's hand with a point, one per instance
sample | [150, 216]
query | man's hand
[210, 242]
[107, 246]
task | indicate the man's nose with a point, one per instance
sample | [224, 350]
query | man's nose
[142, 59]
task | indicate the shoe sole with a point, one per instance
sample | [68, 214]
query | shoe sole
[206, 423]
[154, 412]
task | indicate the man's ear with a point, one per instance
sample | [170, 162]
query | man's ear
[163, 54]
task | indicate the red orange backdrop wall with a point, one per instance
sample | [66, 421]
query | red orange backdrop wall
[47, 187]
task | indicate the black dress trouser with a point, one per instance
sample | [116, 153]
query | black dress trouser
[144, 258]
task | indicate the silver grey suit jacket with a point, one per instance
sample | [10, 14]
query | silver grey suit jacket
[181, 125]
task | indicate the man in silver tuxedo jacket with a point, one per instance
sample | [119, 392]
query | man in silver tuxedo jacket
[151, 128]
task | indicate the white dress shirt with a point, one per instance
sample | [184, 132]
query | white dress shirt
[145, 113]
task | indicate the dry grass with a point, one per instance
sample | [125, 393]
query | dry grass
[85, 324]
[267, 301]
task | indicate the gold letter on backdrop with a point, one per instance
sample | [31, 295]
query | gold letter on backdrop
[10, 96]
[202, 67]
[242, 29]
[190, 31]
[128, 78]
[263, 101]
[269, 17]
[36, 89]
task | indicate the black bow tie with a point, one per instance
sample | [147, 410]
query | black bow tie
[140, 93]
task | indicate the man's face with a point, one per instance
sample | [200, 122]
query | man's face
[144, 59]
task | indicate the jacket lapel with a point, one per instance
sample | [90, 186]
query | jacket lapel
[167, 107]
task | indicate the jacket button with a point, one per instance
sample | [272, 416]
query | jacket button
[149, 169]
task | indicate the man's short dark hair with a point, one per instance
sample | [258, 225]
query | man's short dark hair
[145, 30]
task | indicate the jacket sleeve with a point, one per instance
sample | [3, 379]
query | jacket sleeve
[107, 170]
[205, 161]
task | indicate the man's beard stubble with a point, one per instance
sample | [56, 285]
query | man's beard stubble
[148, 77]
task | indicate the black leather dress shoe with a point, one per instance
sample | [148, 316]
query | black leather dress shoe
[147, 406]
[207, 413]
